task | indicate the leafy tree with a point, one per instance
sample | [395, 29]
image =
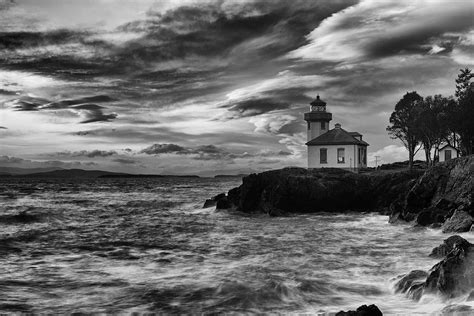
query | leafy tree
[465, 111]
[434, 125]
[404, 123]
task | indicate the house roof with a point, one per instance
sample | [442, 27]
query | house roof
[447, 145]
[336, 136]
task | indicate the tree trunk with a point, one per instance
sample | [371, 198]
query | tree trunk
[411, 154]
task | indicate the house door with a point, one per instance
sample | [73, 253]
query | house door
[447, 155]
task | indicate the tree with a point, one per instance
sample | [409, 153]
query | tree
[434, 123]
[404, 123]
[465, 111]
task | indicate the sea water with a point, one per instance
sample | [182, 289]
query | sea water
[147, 245]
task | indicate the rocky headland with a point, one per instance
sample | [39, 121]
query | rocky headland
[440, 196]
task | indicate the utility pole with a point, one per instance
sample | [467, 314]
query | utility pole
[376, 161]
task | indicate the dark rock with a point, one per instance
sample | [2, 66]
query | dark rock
[454, 275]
[412, 284]
[213, 201]
[460, 222]
[431, 215]
[448, 245]
[298, 190]
[451, 277]
[363, 310]
[440, 191]
[209, 203]
[223, 204]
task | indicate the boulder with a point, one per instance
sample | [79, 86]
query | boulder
[454, 275]
[447, 246]
[460, 222]
[363, 310]
[431, 215]
[213, 201]
[223, 203]
[412, 284]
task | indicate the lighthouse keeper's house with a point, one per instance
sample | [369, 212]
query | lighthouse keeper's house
[332, 148]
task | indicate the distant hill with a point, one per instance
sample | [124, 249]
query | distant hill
[80, 173]
[11, 170]
[240, 175]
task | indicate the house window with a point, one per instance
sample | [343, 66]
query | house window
[340, 155]
[323, 155]
[447, 155]
[323, 125]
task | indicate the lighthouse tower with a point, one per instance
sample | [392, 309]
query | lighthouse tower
[317, 119]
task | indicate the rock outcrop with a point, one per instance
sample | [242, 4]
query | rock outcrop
[441, 195]
[460, 221]
[442, 191]
[451, 277]
[363, 310]
[298, 190]
[454, 275]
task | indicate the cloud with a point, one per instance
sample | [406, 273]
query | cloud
[376, 29]
[272, 123]
[79, 103]
[97, 115]
[27, 163]
[86, 153]
[3, 127]
[157, 149]
[254, 107]
[209, 152]
[125, 161]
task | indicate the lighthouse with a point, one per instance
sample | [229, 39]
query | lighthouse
[317, 118]
[332, 148]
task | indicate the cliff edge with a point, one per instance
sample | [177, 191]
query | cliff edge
[440, 195]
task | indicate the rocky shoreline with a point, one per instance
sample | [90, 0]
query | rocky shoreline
[438, 197]
[441, 196]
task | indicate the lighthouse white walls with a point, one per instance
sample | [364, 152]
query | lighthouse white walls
[351, 160]
[316, 128]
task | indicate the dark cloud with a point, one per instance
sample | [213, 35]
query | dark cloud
[78, 103]
[86, 153]
[157, 149]
[254, 107]
[3, 127]
[97, 116]
[16, 40]
[83, 133]
[26, 103]
[125, 161]
[208, 152]
[9, 160]
[90, 111]
[7, 92]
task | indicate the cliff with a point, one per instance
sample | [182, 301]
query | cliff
[298, 190]
[434, 196]
[442, 196]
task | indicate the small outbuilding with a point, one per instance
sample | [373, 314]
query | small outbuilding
[447, 152]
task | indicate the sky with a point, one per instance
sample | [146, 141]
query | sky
[214, 87]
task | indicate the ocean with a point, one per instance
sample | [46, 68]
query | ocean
[147, 245]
